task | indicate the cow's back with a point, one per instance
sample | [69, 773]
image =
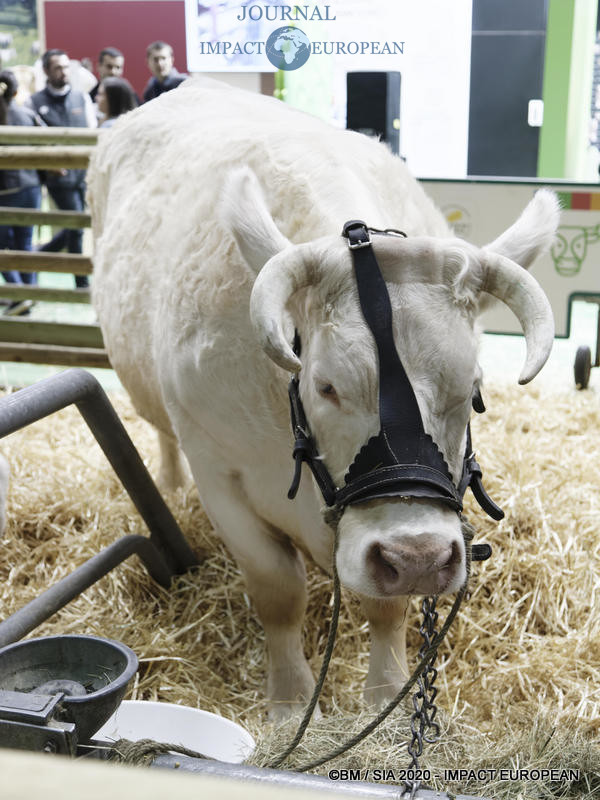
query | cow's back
[164, 264]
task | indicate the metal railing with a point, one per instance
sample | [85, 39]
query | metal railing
[164, 553]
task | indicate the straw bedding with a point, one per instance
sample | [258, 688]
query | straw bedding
[519, 681]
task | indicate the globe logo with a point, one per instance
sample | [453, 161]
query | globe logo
[288, 48]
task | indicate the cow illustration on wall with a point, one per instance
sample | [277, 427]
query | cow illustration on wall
[570, 247]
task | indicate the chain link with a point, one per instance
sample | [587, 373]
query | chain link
[422, 723]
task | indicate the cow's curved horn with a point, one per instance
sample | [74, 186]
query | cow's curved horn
[513, 285]
[282, 276]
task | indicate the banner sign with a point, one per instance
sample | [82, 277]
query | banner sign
[260, 37]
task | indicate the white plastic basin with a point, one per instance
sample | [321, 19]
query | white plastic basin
[209, 734]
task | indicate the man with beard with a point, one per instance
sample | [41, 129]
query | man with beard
[58, 104]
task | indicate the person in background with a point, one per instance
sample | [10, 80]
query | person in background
[19, 188]
[159, 56]
[111, 63]
[58, 104]
[115, 97]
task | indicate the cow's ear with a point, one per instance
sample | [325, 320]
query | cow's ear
[244, 211]
[530, 237]
[533, 233]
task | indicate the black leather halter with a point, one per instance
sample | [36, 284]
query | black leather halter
[402, 460]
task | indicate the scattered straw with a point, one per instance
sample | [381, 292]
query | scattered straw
[519, 673]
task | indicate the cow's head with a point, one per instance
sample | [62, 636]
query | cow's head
[437, 287]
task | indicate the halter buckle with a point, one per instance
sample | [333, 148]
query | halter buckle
[357, 233]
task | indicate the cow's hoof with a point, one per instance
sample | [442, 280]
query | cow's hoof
[379, 696]
[289, 690]
[167, 481]
[284, 711]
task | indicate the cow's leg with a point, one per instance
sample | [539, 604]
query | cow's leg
[388, 668]
[281, 605]
[172, 472]
[276, 580]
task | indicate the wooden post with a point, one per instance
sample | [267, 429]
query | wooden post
[24, 331]
[53, 354]
[28, 291]
[26, 134]
[34, 216]
[41, 25]
[46, 262]
[52, 158]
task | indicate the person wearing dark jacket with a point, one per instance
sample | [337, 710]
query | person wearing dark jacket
[19, 188]
[110, 65]
[159, 56]
[58, 104]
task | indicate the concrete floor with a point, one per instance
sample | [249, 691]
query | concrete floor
[501, 357]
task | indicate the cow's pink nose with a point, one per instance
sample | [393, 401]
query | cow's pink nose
[422, 564]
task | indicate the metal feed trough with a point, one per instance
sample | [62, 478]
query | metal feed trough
[57, 691]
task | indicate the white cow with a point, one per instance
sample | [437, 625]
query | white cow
[217, 217]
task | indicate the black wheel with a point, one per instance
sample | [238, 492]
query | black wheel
[583, 366]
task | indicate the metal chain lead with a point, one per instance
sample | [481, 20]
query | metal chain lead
[428, 631]
[422, 723]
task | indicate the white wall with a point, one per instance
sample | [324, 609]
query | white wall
[435, 68]
[435, 86]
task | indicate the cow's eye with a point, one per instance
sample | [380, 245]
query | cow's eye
[477, 401]
[328, 391]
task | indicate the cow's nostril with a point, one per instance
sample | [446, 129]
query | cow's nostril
[454, 557]
[382, 564]
[446, 570]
